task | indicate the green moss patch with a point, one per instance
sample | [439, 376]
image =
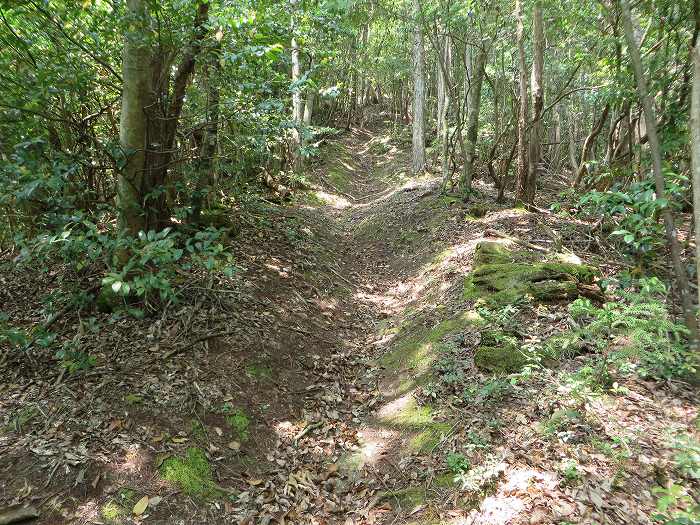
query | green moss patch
[192, 474]
[499, 359]
[259, 370]
[502, 276]
[418, 350]
[425, 441]
[410, 415]
[111, 512]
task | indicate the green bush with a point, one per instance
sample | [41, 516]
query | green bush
[636, 211]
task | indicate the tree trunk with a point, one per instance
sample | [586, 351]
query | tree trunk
[133, 123]
[309, 107]
[588, 145]
[210, 136]
[656, 157]
[418, 93]
[164, 112]
[297, 111]
[695, 147]
[522, 175]
[473, 119]
[537, 86]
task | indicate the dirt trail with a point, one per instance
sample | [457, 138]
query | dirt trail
[330, 381]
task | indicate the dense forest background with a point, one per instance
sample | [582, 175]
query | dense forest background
[167, 168]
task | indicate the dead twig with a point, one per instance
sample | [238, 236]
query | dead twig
[494, 233]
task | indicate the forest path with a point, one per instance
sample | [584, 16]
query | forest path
[331, 379]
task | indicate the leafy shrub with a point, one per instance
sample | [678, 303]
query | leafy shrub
[636, 211]
[458, 463]
[154, 259]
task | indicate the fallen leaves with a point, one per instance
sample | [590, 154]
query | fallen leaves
[140, 506]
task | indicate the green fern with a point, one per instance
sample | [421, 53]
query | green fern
[635, 332]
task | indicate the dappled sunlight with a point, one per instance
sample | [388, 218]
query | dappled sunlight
[497, 510]
[330, 199]
[395, 407]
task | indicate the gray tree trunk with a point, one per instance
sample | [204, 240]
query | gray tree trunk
[309, 107]
[418, 93]
[537, 90]
[473, 119]
[695, 145]
[132, 122]
[521, 178]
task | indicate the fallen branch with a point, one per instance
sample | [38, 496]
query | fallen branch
[306, 430]
[494, 233]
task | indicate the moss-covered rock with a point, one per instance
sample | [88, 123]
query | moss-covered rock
[503, 359]
[499, 353]
[192, 474]
[502, 276]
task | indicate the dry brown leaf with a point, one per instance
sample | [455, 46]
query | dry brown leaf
[140, 506]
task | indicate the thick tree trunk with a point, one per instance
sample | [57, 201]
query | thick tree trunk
[473, 119]
[133, 122]
[656, 157]
[522, 175]
[537, 89]
[418, 93]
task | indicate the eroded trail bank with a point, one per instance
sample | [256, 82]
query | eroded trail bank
[384, 355]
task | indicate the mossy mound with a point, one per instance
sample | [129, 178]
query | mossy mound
[429, 438]
[504, 359]
[477, 211]
[502, 276]
[192, 474]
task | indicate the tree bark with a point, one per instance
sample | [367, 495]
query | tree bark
[588, 145]
[537, 89]
[164, 112]
[695, 149]
[418, 93]
[473, 119]
[309, 106]
[656, 157]
[297, 110]
[522, 175]
[133, 123]
[210, 136]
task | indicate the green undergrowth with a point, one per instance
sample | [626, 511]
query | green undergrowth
[192, 474]
[418, 347]
[411, 497]
[428, 439]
